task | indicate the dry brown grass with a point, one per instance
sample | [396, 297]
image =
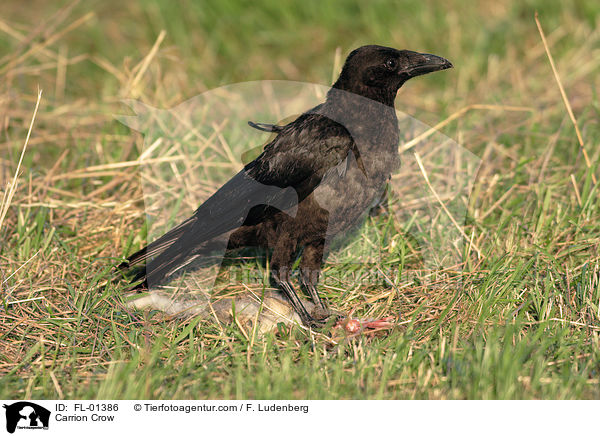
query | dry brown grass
[76, 204]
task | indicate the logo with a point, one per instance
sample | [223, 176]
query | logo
[26, 415]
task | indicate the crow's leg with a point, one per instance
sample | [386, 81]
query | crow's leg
[310, 269]
[381, 206]
[281, 263]
[292, 297]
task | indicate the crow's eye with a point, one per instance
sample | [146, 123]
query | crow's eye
[391, 64]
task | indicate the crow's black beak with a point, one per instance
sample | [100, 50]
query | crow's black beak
[427, 63]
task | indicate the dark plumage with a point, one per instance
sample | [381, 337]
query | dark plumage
[314, 180]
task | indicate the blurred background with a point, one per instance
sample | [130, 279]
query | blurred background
[86, 54]
[77, 205]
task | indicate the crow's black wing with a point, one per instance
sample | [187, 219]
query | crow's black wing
[288, 170]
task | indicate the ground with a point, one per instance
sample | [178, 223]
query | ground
[520, 316]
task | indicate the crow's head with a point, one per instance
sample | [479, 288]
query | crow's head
[373, 70]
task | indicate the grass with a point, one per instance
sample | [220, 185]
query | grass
[521, 320]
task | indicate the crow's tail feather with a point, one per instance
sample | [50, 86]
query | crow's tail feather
[159, 246]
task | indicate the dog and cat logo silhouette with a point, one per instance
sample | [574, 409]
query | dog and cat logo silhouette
[26, 415]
